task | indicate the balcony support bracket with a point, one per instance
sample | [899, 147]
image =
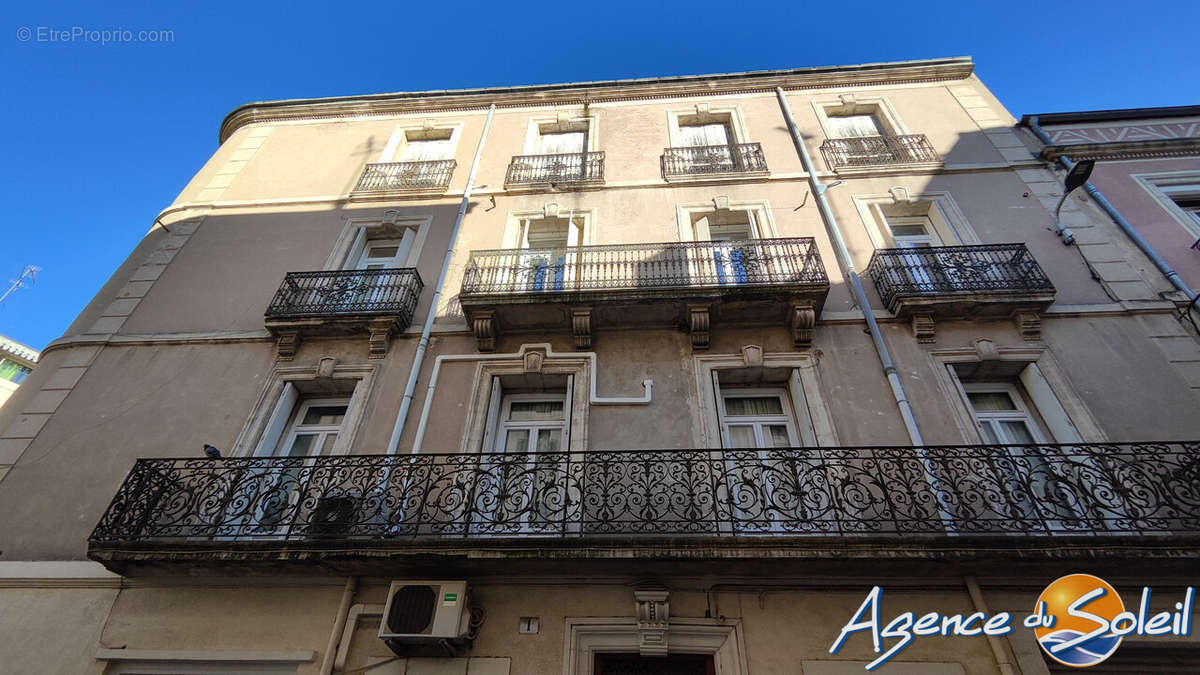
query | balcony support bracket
[924, 328]
[483, 324]
[286, 344]
[653, 615]
[698, 321]
[802, 316]
[380, 333]
[581, 326]
[1029, 324]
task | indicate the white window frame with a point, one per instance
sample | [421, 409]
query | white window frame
[721, 112]
[942, 212]
[399, 138]
[992, 419]
[1165, 187]
[505, 425]
[757, 422]
[538, 126]
[878, 106]
[347, 249]
[322, 431]
[758, 214]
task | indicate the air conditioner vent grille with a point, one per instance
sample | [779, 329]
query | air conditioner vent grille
[412, 609]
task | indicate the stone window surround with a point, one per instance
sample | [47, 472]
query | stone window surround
[705, 111]
[1044, 381]
[348, 239]
[512, 224]
[587, 636]
[399, 137]
[803, 386]
[856, 104]
[479, 406]
[941, 209]
[561, 122]
[263, 413]
[188, 662]
[1156, 184]
[760, 207]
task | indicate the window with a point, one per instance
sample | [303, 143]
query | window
[1002, 415]
[757, 418]
[533, 422]
[562, 143]
[1190, 205]
[705, 134]
[913, 232]
[854, 126]
[314, 428]
[427, 145]
[1178, 193]
[14, 372]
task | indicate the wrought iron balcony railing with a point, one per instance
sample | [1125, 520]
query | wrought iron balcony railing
[713, 159]
[956, 270]
[877, 151]
[637, 267]
[1115, 489]
[569, 168]
[432, 175]
[392, 292]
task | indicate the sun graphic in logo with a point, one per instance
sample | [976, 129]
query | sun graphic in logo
[1066, 640]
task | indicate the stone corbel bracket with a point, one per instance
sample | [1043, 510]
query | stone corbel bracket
[698, 324]
[653, 615]
[483, 325]
[581, 327]
[802, 317]
[380, 333]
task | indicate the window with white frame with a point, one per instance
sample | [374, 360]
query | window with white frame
[854, 125]
[1178, 193]
[1189, 204]
[427, 145]
[695, 133]
[912, 232]
[757, 418]
[534, 422]
[14, 372]
[314, 428]
[1002, 415]
[561, 137]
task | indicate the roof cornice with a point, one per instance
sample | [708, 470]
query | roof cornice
[1175, 147]
[1116, 115]
[927, 70]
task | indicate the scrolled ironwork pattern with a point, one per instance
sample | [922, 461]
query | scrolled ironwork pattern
[568, 168]
[1114, 489]
[670, 265]
[429, 175]
[713, 159]
[859, 151]
[941, 270]
[348, 292]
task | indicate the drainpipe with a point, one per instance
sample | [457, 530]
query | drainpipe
[339, 622]
[860, 296]
[998, 652]
[1162, 265]
[419, 357]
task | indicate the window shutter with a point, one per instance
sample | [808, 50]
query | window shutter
[493, 417]
[1048, 406]
[567, 409]
[277, 423]
[716, 385]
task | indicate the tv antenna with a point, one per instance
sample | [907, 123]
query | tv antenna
[28, 273]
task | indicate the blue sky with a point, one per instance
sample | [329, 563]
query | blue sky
[101, 137]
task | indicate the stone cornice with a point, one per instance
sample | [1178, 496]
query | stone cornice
[595, 92]
[1179, 147]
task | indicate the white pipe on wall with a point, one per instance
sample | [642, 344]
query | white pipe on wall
[593, 399]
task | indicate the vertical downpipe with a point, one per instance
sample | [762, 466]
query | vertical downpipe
[415, 373]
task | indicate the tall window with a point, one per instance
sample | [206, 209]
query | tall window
[913, 232]
[533, 422]
[427, 146]
[1002, 414]
[757, 418]
[314, 428]
[715, 133]
[854, 126]
[561, 142]
[14, 372]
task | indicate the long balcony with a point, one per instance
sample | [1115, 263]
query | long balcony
[876, 151]
[686, 284]
[575, 168]
[713, 160]
[379, 302]
[407, 176]
[948, 282]
[1011, 496]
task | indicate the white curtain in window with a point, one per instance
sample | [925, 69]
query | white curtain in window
[563, 143]
[425, 151]
[854, 126]
[694, 135]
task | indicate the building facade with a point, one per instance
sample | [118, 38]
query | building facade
[1148, 167]
[17, 361]
[667, 373]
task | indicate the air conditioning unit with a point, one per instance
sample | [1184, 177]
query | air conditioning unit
[333, 516]
[425, 611]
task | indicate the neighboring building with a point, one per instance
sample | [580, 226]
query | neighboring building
[651, 430]
[1147, 166]
[17, 361]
